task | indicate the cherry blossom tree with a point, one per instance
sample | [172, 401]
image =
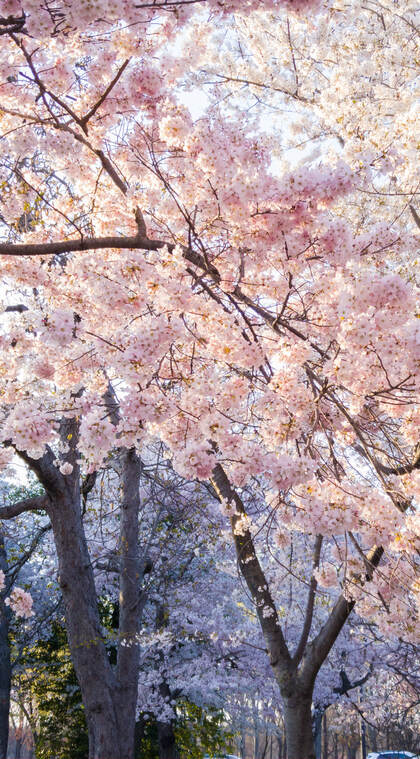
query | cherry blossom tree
[162, 280]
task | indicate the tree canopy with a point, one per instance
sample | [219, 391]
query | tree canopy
[179, 270]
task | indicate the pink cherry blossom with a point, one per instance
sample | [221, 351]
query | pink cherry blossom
[20, 602]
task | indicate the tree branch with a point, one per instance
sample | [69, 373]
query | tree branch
[45, 469]
[99, 243]
[84, 120]
[310, 604]
[84, 243]
[400, 470]
[415, 215]
[128, 660]
[14, 569]
[19, 308]
[37, 503]
[254, 575]
[321, 645]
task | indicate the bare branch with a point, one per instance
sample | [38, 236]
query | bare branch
[395, 470]
[310, 604]
[45, 469]
[84, 120]
[415, 215]
[141, 224]
[84, 243]
[253, 574]
[321, 645]
[37, 503]
[100, 243]
[262, 85]
[19, 308]
[14, 569]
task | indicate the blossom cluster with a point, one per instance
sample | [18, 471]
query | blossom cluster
[20, 601]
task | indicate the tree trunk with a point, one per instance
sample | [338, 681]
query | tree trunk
[109, 696]
[87, 647]
[166, 739]
[166, 734]
[109, 717]
[372, 738]
[5, 666]
[18, 748]
[317, 724]
[243, 743]
[5, 679]
[325, 740]
[130, 608]
[263, 753]
[298, 724]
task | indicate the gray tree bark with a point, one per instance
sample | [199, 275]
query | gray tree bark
[131, 601]
[109, 694]
[325, 737]
[5, 666]
[298, 724]
[166, 741]
[96, 679]
[166, 735]
[317, 730]
[295, 674]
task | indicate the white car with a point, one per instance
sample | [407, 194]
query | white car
[392, 755]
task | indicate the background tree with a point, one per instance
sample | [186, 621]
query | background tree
[19, 550]
[50, 681]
